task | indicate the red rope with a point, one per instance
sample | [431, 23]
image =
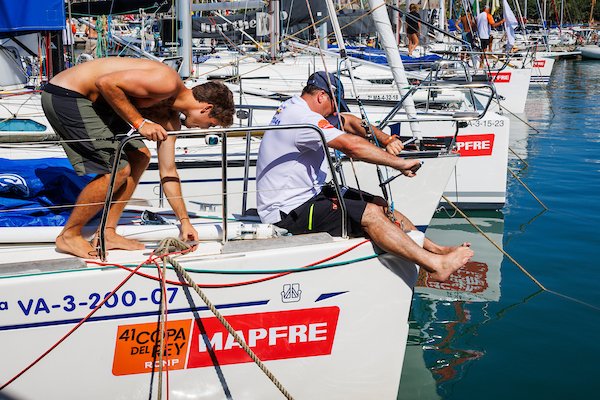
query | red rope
[21, 93]
[233, 284]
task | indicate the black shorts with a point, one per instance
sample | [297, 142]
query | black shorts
[484, 44]
[323, 214]
[88, 130]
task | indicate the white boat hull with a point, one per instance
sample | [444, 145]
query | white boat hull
[590, 52]
[209, 194]
[542, 69]
[512, 86]
[479, 181]
[318, 342]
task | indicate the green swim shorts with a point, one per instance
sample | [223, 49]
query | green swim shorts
[88, 130]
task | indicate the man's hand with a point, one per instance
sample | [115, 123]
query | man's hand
[394, 146]
[410, 168]
[152, 131]
[188, 232]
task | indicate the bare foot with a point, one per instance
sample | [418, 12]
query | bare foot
[451, 262]
[75, 245]
[114, 241]
[449, 249]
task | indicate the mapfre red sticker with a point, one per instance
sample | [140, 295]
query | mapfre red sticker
[475, 145]
[500, 77]
[324, 124]
[271, 335]
[539, 63]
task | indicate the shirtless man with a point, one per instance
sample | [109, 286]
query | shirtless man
[291, 174]
[89, 104]
[91, 40]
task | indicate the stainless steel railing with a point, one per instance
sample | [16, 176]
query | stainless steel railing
[224, 132]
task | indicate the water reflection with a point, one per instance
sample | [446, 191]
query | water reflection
[480, 280]
[511, 347]
[445, 315]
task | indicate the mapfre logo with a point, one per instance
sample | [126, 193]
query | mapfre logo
[475, 145]
[500, 77]
[272, 336]
[539, 63]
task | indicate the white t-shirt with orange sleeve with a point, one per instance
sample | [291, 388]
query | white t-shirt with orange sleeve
[291, 166]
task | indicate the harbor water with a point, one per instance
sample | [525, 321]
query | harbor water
[507, 338]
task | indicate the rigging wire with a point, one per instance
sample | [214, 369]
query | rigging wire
[336, 100]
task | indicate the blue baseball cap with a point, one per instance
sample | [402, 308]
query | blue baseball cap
[336, 90]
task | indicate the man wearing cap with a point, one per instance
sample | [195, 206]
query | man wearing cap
[292, 168]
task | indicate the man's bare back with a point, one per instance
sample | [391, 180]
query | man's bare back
[83, 77]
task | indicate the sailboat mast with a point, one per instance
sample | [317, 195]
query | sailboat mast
[72, 45]
[274, 10]
[562, 8]
[388, 42]
[441, 20]
[184, 15]
[341, 45]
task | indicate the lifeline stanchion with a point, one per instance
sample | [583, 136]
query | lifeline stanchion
[515, 262]
[527, 188]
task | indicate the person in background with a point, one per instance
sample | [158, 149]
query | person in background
[68, 39]
[485, 23]
[413, 28]
[466, 24]
[91, 38]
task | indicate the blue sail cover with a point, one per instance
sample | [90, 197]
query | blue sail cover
[18, 16]
[31, 191]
